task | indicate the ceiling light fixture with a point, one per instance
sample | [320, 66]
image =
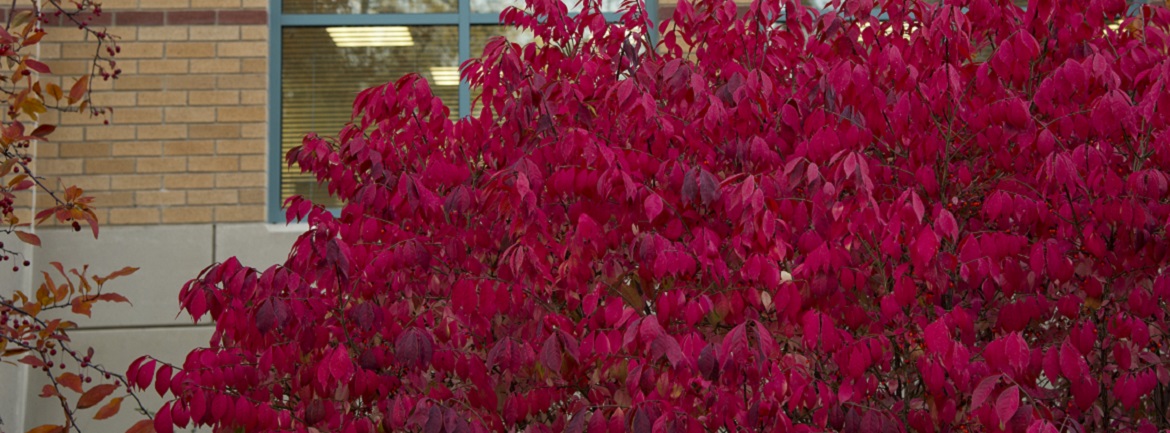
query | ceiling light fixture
[393, 36]
[445, 75]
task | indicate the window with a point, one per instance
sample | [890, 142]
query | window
[323, 52]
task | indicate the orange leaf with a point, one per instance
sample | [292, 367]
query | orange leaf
[55, 91]
[82, 306]
[48, 391]
[47, 428]
[113, 297]
[110, 409]
[118, 273]
[70, 380]
[144, 426]
[79, 88]
[95, 395]
[29, 238]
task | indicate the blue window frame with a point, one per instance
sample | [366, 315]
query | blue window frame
[445, 29]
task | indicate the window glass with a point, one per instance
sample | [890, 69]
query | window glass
[347, 7]
[325, 67]
[495, 6]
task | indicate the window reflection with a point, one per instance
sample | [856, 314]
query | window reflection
[349, 7]
[323, 71]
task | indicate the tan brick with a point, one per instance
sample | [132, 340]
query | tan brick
[163, 33]
[255, 65]
[218, 130]
[90, 183]
[47, 150]
[215, 33]
[84, 149]
[254, 33]
[156, 198]
[203, 82]
[171, 164]
[188, 181]
[110, 132]
[252, 196]
[215, 4]
[76, 50]
[187, 214]
[253, 97]
[239, 213]
[240, 146]
[213, 163]
[254, 130]
[244, 81]
[114, 199]
[163, 98]
[213, 196]
[140, 50]
[161, 132]
[215, 66]
[167, 4]
[134, 215]
[163, 67]
[253, 163]
[251, 113]
[214, 97]
[137, 115]
[110, 5]
[68, 133]
[241, 49]
[190, 50]
[239, 180]
[119, 98]
[57, 167]
[190, 114]
[190, 147]
[139, 82]
[136, 182]
[138, 148]
[109, 165]
[70, 67]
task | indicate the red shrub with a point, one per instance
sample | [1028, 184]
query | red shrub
[945, 218]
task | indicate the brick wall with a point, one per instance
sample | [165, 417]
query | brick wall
[187, 140]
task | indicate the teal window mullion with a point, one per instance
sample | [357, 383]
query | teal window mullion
[464, 54]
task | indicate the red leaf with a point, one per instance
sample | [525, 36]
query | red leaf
[983, 391]
[162, 380]
[37, 66]
[414, 347]
[145, 373]
[162, 420]
[947, 226]
[925, 247]
[1006, 404]
[652, 206]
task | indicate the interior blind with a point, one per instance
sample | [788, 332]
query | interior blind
[324, 69]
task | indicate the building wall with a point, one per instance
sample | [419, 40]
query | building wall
[186, 141]
[179, 177]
